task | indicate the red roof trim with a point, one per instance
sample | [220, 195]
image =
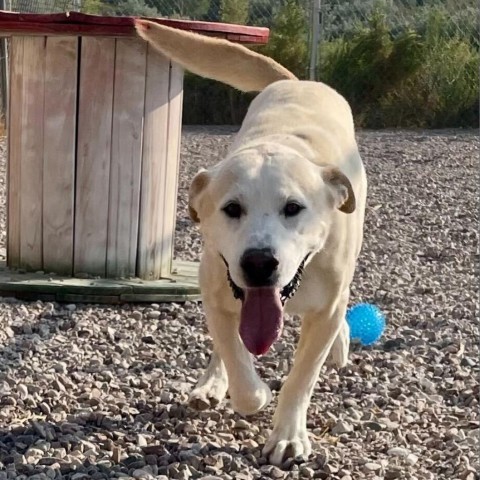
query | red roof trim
[75, 23]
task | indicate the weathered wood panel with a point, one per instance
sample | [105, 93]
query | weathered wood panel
[59, 153]
[155, 138]
[31, 157]
[93, 154]
[126, 165]
[14, 151]
[175, 96]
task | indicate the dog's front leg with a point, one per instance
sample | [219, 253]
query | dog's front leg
[248, 393]
[212, 386]
[289, 437]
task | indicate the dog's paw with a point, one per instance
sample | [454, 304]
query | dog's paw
[338, 355]
[337, 358]
[251, 400]
[287, 441]
[208, 395]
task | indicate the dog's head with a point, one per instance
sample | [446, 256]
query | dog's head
[266, 211]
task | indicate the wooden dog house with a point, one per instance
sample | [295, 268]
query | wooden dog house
[94, 130]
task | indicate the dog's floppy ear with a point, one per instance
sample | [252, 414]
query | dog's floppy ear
[197, 188]
[342, 189]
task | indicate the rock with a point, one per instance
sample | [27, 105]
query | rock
[45, 408]
[32, 455]
[393, 344]
[307, 472]
[393, 473]
[61, 367]
[398, 452]
[272, 471]
[342, 427]
[154, 450]
[411, 459]
[116, 454]
[149, 339]
[22, 391]
[242, 424]
[375, 426]
[250, 443]
[47, 461]
[142, 474]
[372, 466]
[183, 474]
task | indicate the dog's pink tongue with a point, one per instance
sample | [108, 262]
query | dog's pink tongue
[261, 319]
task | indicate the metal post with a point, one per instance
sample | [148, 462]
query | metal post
[3, 73]
[316, 24]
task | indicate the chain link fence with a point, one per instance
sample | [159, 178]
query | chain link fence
[367, 49]
[337, 18]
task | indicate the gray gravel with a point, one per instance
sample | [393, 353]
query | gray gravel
[98, 392]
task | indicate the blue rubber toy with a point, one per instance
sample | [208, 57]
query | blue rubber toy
[366, 322]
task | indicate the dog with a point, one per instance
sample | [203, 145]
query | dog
[282, 224]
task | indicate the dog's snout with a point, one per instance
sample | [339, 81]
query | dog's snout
[259, 266]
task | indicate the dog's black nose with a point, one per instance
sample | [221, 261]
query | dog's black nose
[259, 267]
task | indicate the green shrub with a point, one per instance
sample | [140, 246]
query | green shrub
[443, 93]
[370, 64]
[412, 68]
[119, 7]
[234, 11]
[288, 38]
[406, 80]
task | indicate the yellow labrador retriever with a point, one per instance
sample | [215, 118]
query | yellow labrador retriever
[282, 221]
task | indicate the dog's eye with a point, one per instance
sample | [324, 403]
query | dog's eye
[292, 208]
[233, 210]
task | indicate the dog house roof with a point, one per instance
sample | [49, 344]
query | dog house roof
[74, 23]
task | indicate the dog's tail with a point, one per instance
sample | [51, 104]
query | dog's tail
[214, 58]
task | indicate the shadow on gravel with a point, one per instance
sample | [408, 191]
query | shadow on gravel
[141, 440]
[76, 442]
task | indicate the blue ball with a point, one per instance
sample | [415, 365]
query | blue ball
[366, 323]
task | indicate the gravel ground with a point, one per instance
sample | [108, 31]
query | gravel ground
[99, 392]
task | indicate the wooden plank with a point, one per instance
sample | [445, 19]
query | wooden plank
[93, 154]
[92, 299]
[14, 151]
[75, 23]
[66, 289]
[159, 297]
[126, 158]
[31, 189]
[28, 296]
[175, 96]
[59, 153]
[152, 198]
[185, 268]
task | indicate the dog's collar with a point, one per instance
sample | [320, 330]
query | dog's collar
[288, 291]
[236, 290]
